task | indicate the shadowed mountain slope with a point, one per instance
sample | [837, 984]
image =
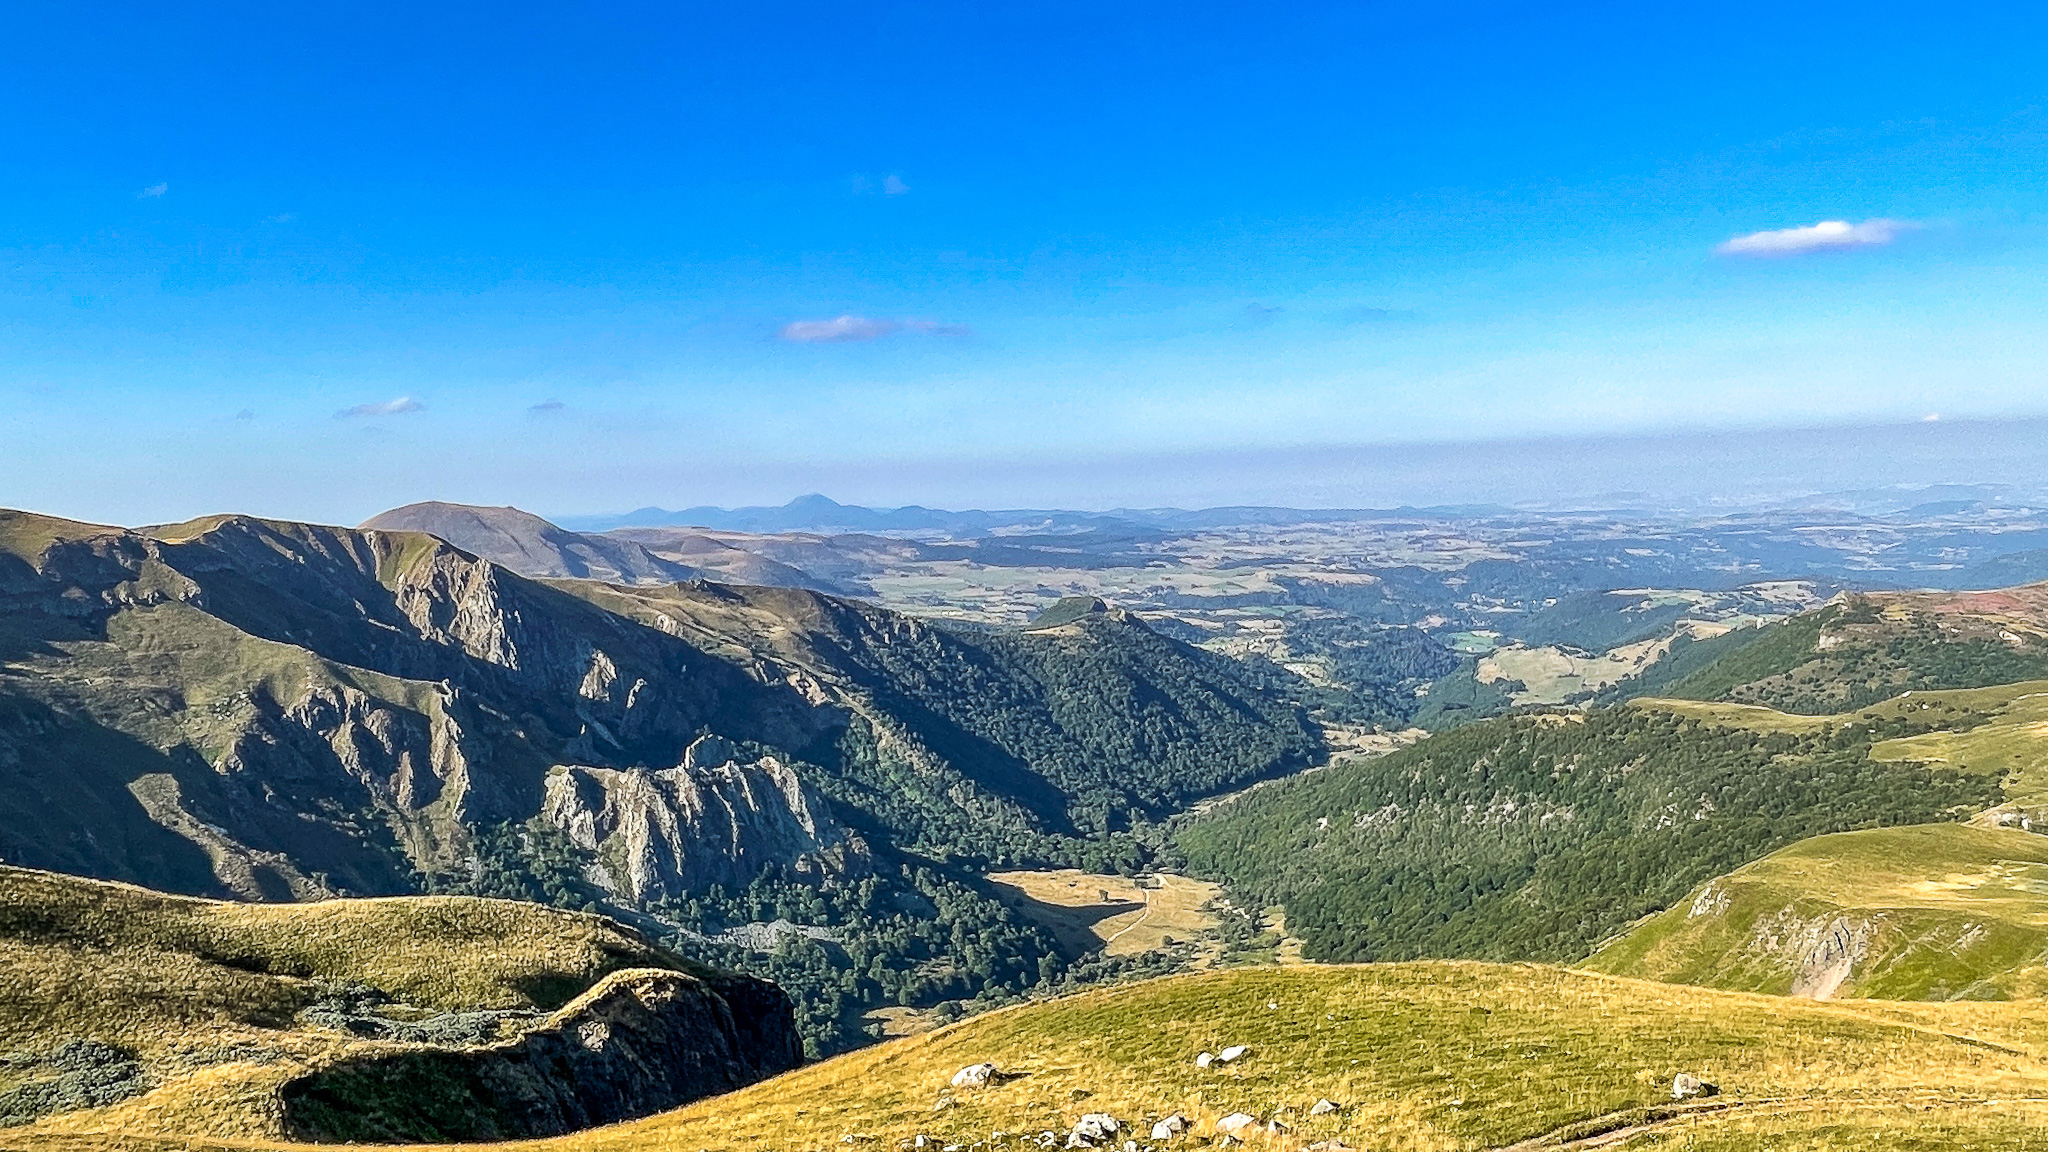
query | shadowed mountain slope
[531, 546]
[285, 710]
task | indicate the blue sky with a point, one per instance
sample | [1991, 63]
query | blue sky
[582, 258]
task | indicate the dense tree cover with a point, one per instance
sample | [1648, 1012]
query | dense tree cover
[1536, 836]
[1593, 621]
[910, 935]
[1462, 698]
[907, 933]
[1039, 735]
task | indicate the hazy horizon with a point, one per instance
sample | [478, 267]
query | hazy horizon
[1671, 473]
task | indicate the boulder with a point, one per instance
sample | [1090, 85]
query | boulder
[1234, 1052]
[1170, 1127]
[1323, 1108]
[1277, 1128]
[1093, 1129]
[1686, 1086]
[1237, 1124]
[975, 1076]
[1205, 1059]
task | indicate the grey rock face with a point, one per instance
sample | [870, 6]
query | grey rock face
[642, 1041]
[710, 820]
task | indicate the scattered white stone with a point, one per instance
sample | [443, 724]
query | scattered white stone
[1205, 1059]
[1322, 1108]
[1130, 1146]
[1234, 1052]
[857, 1138]
[1277, 1128]
[1685, 1086]
[1093, 1129]
[1329, 1146]
[1170, 1127]
[975, 1076]
[1237, 1123]
[1272, 1005]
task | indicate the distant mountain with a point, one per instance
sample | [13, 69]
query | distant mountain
[815, 513]
[2004, 571]
[531, 546]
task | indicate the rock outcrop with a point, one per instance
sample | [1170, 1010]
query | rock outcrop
[642, 1041]
[710, 820]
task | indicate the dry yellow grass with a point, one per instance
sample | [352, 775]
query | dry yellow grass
[205, 992]
[1119, 914]
[1426, 1057]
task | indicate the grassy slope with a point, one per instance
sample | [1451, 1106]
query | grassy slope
[188, 983]
[2002, 730]
[1424, 1056]
[1944, 911]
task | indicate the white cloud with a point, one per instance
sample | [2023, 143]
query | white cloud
[894, 186]
[850, 329]
[153, 191]
[548, 406]
[1826, 236]
[838, 330]
[398, 407]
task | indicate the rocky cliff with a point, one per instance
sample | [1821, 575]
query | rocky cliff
[287, 711]
[664, 833]
[640, 1042]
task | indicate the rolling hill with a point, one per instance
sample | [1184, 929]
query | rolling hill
[280, 1020]
[1862, 649]
[1932, 912]
[1416, 1057]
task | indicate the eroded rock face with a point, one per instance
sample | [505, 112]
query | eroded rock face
[710, 820]
[642, 1041]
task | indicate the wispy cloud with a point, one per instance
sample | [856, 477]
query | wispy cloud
[838, 330]
[891, 185]
[851, 329]
[153, 191]
[281, 218]
[1826, 236]
[398, 407]
[246, 414]
[550, 405]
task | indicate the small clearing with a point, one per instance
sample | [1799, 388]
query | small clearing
[1119, 915]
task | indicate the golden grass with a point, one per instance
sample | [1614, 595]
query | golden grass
[188, 983]
[1426, 1057]
[1120, 915]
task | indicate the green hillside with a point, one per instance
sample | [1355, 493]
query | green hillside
[1862, 650]
[1934, 912]
[1537, 836]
